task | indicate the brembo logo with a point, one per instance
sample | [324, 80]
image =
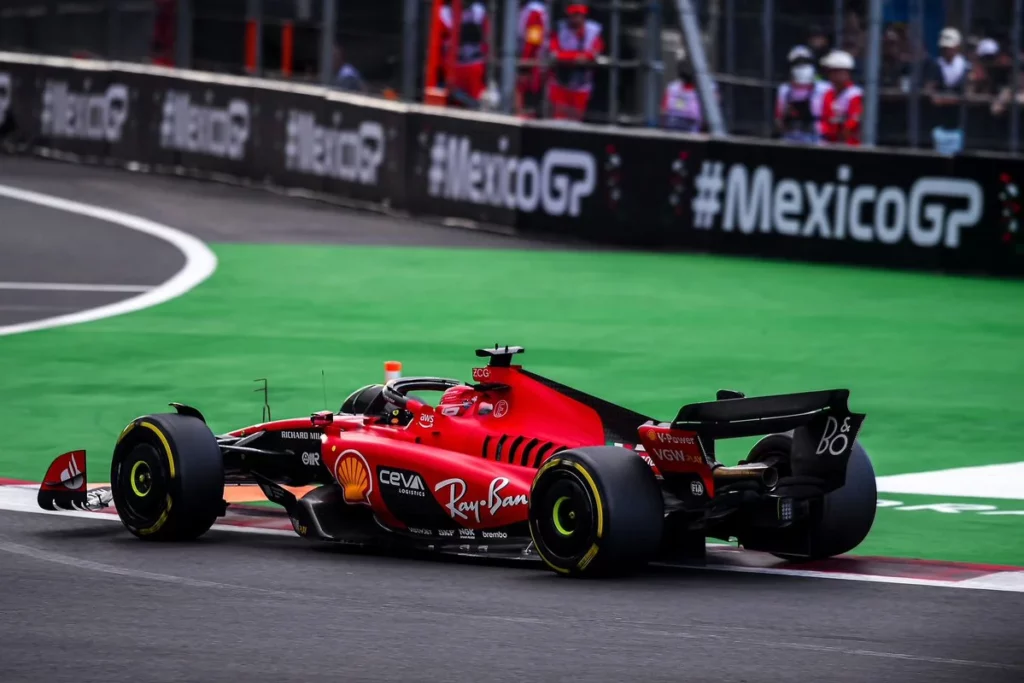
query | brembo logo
[82, 115]
[932, 213]
[557, 183]
[331, 151]
[220, 132]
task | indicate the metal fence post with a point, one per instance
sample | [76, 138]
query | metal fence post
[917, 40]
[837, 24]
[654, 64]
[730, 59]
[768, 48]
[254, 28]
[966, 24]
[695, 53]
[508, 55]
[183, 36]
[872, 67]
[113, 21]
[614, 44]
[1014, 104]
[410, 48]
[328, 23]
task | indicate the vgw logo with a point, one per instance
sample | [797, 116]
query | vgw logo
[352, 155]
[558, 184]
[220, 132]
[83, 115]
[759, 202]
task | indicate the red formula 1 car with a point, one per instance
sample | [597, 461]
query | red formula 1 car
[512, 465]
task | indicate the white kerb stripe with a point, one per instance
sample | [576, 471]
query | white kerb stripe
[200, 262]
[71, 287]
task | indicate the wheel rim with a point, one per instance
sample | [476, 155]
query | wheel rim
[143, 484]
[141, 478]
[563, 516]
[566, 527]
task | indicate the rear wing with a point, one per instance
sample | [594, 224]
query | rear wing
[736, 417]
[824, 429]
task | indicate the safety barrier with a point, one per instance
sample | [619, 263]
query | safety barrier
[613, 185]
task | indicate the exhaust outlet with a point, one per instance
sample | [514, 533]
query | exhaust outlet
[755, 471]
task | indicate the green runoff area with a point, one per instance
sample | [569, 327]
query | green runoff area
[936, 362]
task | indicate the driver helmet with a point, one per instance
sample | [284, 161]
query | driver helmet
[457, 395]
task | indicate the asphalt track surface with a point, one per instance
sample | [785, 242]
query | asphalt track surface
[47, 246]
[83, 600]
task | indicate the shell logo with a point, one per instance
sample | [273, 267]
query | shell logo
[354, 476]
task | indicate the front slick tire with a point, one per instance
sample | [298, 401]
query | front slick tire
[596, 512]
[167, 477]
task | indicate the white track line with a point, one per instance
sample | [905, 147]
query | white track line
[71, 287]
[200, 262]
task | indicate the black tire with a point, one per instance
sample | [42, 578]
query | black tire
[847, 514]
[167, 477]
[596, 511]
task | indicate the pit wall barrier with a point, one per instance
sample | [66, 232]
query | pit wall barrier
[628, 187]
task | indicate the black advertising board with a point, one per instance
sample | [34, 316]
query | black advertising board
[598, 184]
[819, 204]
[644, 188]
[323, 141]
[999, 237]
[465, 167]
[284, 157]
[206, 123]
[78, 109]
[19, 104]
[140, 141]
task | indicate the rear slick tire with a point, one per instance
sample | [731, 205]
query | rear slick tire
[847, 514]
[167, 477]
[596, 512]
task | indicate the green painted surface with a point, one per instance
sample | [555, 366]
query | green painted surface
[936, 362]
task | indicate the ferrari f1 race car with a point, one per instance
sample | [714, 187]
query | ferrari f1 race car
[512, 465]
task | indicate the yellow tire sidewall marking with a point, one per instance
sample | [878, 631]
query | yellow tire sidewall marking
[163, 440]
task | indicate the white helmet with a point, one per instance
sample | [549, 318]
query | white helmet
[838, 59]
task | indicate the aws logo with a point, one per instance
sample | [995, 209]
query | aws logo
[354, 476]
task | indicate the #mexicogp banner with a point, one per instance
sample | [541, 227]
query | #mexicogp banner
[627, 187]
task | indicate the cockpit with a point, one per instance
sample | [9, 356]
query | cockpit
[395, 404]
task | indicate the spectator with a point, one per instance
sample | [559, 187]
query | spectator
[798, 103]
[843, 104]
[467, 78]
[1002, 103]
[533, 35]
[985, 75]
[946, 83]
[681, 107]
[346, 77]
[819, 43]
[575, 45]
[949, 71]
[895, 72]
